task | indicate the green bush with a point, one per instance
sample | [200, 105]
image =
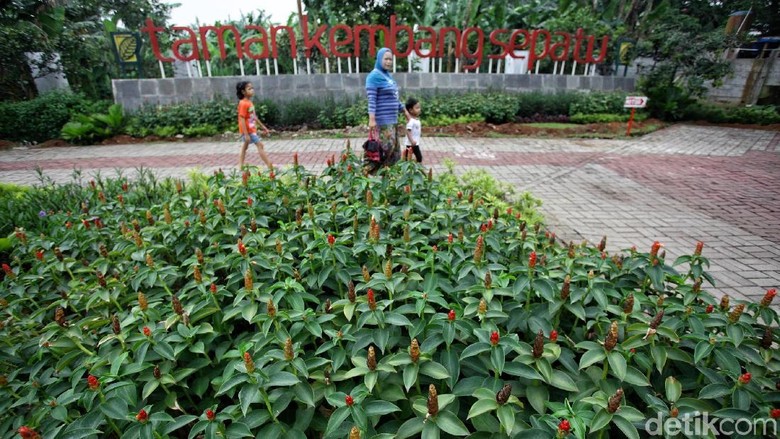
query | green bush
[500, 108]
[95, 127]
[441, 120]
[200, 131]
[42, 118]
[599, 103]
[220, 113]
[760, 115]
[665, 102]
[339, 304]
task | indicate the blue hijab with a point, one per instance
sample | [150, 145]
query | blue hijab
[379, 77]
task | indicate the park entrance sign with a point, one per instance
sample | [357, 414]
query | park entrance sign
[343, 41]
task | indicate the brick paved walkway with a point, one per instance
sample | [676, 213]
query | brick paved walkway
[677, 186]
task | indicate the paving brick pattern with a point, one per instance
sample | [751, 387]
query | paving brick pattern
[678, 186]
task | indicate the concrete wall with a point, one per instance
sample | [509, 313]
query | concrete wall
[134, 93]
[742, 87]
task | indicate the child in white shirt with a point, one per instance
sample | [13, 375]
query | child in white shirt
[413, 129]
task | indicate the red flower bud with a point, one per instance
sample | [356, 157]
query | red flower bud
[709, 309]
[348, 399]
[553, 336]
[532, 260]
[451, 315]
[142, 416]
[7, 269]
[435, 248]
[249, 201]
[745, 378]
[371, 299]
[28, 433]
[699, 247]
[39, 255]
[460, 195]
[449, 238]
[331, 240]
[210, 415]
[271, 175]
[494, 338]
[147, 331]
[564, 426]
[213, 288]
[768, 297]
[92, 382]
[774, 413]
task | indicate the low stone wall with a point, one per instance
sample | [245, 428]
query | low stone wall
[135, 93]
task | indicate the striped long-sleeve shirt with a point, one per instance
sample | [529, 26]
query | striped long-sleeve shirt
[383, 103]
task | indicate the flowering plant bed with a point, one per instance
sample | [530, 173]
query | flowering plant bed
[295, 305]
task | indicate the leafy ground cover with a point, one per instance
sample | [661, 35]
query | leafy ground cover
[335, 305]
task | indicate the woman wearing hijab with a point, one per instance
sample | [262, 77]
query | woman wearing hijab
[384, 104]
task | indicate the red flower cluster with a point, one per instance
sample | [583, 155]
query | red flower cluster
[213, 288]
[249, 201]
[210, 415]
[28, 433]
[768, 297]
[39, 255]
[241, 248]
[553, 336]
[348, 399]
[494, 338]
[532, 260]
[331, 239]
[774, 413]
[142, 416]
[709, 309]
[564, 426]
[92, 382]
[451, 315]
[745, 378]
[147, 331]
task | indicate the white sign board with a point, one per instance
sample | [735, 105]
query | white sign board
[635, 102]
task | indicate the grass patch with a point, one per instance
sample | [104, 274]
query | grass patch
[551, 125]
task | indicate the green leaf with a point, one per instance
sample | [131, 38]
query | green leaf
[370, 380]
[239, 429]
[248, 395]
[600, 421]
[179, 422]
[115, 408]
[592, 357]
[474, 349]
[380, 407]
[430, 431]
[304, 393]
[410, 375]
[497, 359]
[537, 395]
[283, 379]
[673, 389]
[703, 350]
[506, 415]
[735, 333]
[617, 365]
[626, 427]
[562, 380]
[713, 391]
[434, 370]
[165, 350]
[482, 406]
[394, 318]
[410, 428]
[336, 419]
[451, 424]
[660, 356]
[635, 377]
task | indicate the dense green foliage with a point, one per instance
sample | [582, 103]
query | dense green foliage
[42, 118]
[295, 305]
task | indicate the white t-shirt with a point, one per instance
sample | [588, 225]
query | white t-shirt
[416, 131]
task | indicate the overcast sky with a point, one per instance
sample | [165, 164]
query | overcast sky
[209, 11]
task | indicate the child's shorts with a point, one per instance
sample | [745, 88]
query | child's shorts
[253, 138]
